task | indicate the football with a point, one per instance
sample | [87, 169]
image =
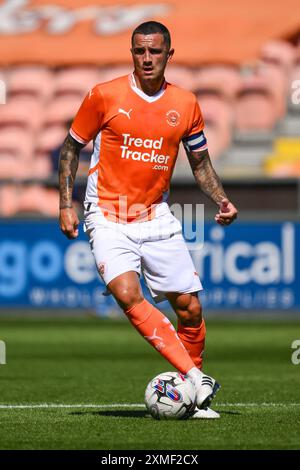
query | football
[170, 396]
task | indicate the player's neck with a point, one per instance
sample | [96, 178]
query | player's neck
[150, 87]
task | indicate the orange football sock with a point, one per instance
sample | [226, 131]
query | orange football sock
[193, 339]
[161, 334]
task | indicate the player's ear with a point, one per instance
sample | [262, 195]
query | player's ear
[170, 54]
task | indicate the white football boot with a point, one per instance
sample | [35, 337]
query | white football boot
[206, 387]
[204, 413]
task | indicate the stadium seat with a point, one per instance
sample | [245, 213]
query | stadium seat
[215, 108]
[254, 105]
[38, 200]
[51, 137]
[16, 153]
[277, 59]
[277, 81]
[285, 158]
[180, 76]
[110, 73]
[218, 139]
[30, 80]
[16, 142]
[75, 81]
[218, 78]
[61, 110]
[280, 168]
[218, 118]
[279, 52]
[12, 168]
[9, 196]
[3, 88]
[41, 166]
[25, 112]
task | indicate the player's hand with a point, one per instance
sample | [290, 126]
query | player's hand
[68, 222]
[227, 213]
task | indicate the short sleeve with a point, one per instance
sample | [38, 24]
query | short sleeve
[89, 118]
[195, 138]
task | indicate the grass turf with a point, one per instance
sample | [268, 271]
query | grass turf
[90, 361]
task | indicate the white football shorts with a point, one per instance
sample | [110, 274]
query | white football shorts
[156, 249]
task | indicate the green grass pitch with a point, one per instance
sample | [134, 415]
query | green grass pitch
[97, 366]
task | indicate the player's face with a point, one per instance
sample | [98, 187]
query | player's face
[150, 56]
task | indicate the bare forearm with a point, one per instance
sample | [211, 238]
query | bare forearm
[68, 164]
[206, 177]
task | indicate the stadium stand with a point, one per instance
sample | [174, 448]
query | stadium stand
[252, 116]
[224, 79]
[30, 81]
[75, 81]
[254, 105]
[61, 109]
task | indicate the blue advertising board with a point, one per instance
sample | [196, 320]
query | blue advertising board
[244, 266]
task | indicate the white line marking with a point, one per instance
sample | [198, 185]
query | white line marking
[132, 405]
[83, 405]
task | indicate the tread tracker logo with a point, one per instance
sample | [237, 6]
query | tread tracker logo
[152, 156]
[22, 16]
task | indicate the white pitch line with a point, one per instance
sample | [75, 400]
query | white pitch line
[133, 405]
[257, 404]
[83, 405]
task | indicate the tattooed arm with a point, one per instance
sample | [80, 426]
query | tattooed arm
[68, 164]
[210, 184]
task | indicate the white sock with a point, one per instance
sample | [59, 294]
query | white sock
[194, 374]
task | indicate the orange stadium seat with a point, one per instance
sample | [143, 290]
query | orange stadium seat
[48, 140]
[61, 110]
[277, 59]
[31, 80]
[218, 78]
[41, 166]
[109, 73]
[9, 197]
[16, 153]
[75, 80]
[180, 76]
[280, 53]
[16, 142]
[12, 167]
[218, 118]
[254, 106]
[278, 82]
[218, 139]
[25, 112]
[295, 73]
[51, 137]
[215, 108]
[39, 200]
[3, 87]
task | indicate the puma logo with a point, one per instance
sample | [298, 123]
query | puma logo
[127, 113]
[151, 338]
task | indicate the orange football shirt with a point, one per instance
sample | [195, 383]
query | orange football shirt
[136, 140]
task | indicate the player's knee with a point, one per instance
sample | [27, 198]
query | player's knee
[128, 297]
[190, 311]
